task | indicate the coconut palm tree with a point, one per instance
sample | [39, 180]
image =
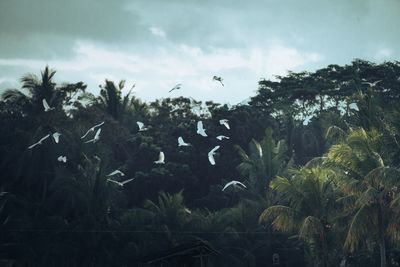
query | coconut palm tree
[265, 160]
[370, 185]
[308, 198]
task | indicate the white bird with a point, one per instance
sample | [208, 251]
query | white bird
[56, 137]
[46, 106]
[161, 158]
[354, 106]
[200, 129]
[224, 122]
[116, 172]
[62, 159]
[40, 142]
[181, 142]
[96, 137]
[176, 87]
[211, 155]
[233, 183]
[220, 137]
[120, 183]
[219, 79]
[141, 126]
[372, 84]
[92, 129]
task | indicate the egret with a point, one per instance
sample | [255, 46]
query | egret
[224, 122]
[120, 183]
[92, 129]
[116, 172]
[96, 137]
[141, 126]
[40, 142]
[211, 155]
[354, 106]
[56, 137]
[200, 129]
[62, 159]
[46, 106]
[220, 137]
[176, 87]
[181, 142]
[233, 183]
[371, 84]
[161, 158]
[219, 79]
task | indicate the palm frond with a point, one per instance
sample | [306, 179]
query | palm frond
[283, 218]
[360, 227]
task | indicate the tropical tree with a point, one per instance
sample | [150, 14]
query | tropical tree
[308, 199]
[370, 187]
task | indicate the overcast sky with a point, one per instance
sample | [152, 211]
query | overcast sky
[159, 43]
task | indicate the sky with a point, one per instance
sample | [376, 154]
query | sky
[156, 44]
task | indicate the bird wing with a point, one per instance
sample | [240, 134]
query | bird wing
[116, 182]
[32, 146]
[180, 141]
[161, 157]
[200, 126]
[127, 181]
[113, 173]
[228, 184]
[97, 134]
[56, 137]
[214, 149]
[90, 130]
[45, 105]
[227, 125]
[211, 158]
[44, 138]
[140, 124]
[98, 125]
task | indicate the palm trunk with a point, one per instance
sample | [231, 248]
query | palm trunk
[381, 237]
[324, 250]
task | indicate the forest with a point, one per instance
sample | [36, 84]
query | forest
[316, 153]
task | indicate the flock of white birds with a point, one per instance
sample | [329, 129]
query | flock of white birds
[161, 158]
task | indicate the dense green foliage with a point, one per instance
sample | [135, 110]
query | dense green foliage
[318, 153]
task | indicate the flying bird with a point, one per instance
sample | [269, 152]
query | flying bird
[62, 159]
[211, 155]
[200, 129]
[92, 129]
[354, 106]
[116, 172]
[141, 126]
[220, 137]
[176, 87]
[46, 105]
[120, 183]
[56, 137]
[181, 142]
[219, 79]
[40, 142]
[161, 158]
[224, 122]
[96, 137]
[233, 183]
[372, 84]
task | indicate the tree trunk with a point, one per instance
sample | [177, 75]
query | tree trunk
[381, 237]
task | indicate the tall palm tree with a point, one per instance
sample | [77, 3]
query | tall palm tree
[371, 184]
[308, 201]
[265, 160]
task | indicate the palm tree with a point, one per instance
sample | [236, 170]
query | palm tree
[371, 184]
[265, 160]
[309, 197]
